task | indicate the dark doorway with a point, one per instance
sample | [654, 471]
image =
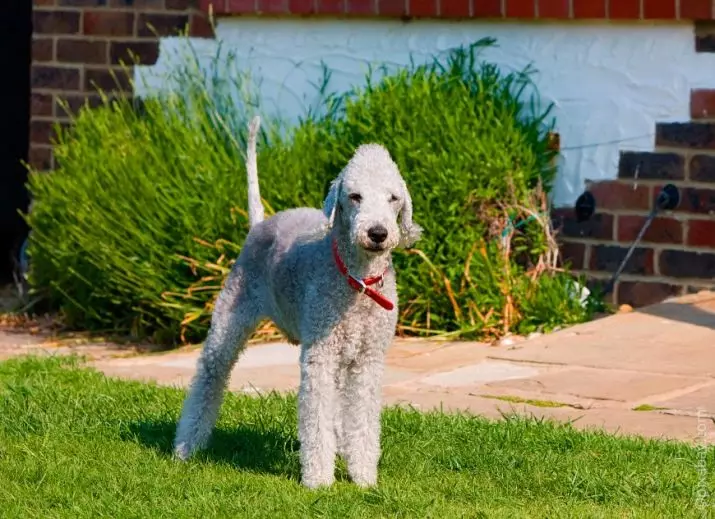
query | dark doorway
[15, 62]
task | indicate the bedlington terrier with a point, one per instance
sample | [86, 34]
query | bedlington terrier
[326, 280]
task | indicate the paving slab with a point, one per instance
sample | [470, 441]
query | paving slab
[444, 357]
[702, 400]
[481, 373]
[656, 425]
[660, 359]
[13, 344]
[648, 340]
[601, 384]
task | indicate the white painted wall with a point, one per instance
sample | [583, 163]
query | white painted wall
[610, 83]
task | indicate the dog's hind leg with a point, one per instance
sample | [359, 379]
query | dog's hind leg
[235, 317]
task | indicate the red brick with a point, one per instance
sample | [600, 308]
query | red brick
[242, 6]
[392, 7]
[108, 23]
[643, 293]
[201, 26]
[422, 8]
[702, 104]
[149, 25]
[102, 79]
[362, 7]
[155, 5]
[273, 6]
[659, 9]
[685, 135]
[573, 254]
[488, 9]
[591, 9]
[40, 158]
[41, 105]
[57, 78]
[624, 9]
[454, 8]
[661, 230]
[339, 7]
[43, 49]
[696, 9]
[702, 168]
[180, 5]
[69, 105]
[82, 3]
[301, 6]
[701, 233]
[599, 226]
[223, 6]
[696, 200]
[704, 42]
[554, 9]
[42, 132]
[81, 51]
[613, 196]
[55, 22]
[686, 264]
[138, 4]
[651, 166]
[520, 8]
[133, 52]
[608, 258]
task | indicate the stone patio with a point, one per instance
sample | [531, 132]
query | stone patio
[659, 359]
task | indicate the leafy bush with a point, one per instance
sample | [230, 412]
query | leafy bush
[138, 225]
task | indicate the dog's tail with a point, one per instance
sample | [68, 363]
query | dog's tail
[255, 206]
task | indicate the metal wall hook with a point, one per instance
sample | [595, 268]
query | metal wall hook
[585, 206]
[667, 200]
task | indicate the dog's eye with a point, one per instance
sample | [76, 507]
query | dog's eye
[355, 197]
[393, 198]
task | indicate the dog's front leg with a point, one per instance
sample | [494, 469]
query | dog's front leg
[317, 400]
[361, 418]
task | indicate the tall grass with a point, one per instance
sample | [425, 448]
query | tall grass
[138, 226]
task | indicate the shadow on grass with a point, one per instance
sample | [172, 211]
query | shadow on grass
[244, 448]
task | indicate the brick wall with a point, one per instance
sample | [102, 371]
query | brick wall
[677, 252]
[77, 44]
[521, 9]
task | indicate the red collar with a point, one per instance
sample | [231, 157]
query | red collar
[362, 285]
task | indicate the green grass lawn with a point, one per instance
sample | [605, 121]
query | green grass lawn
[76, 444]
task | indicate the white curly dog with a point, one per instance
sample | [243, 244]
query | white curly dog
[327, 282]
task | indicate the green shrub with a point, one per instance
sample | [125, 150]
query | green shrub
[138, 225]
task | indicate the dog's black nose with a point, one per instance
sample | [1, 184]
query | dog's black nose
[377, 233]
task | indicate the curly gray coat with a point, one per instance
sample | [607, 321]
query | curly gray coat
[289, 271]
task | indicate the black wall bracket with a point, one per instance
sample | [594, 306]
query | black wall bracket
[667, 200]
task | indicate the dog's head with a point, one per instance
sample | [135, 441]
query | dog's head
[370, 201]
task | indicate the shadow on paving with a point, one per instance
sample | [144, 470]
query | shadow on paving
[244, 448]
[685, 313]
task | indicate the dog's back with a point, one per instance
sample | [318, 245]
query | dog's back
[277, 250]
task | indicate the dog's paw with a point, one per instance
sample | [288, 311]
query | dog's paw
[365, 483]
[365, 479]
[182, 452]
[316, 482]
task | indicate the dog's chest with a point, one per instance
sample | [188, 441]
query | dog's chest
[371, 328]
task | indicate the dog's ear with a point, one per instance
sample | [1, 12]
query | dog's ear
[410, 232]
[330, 204]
